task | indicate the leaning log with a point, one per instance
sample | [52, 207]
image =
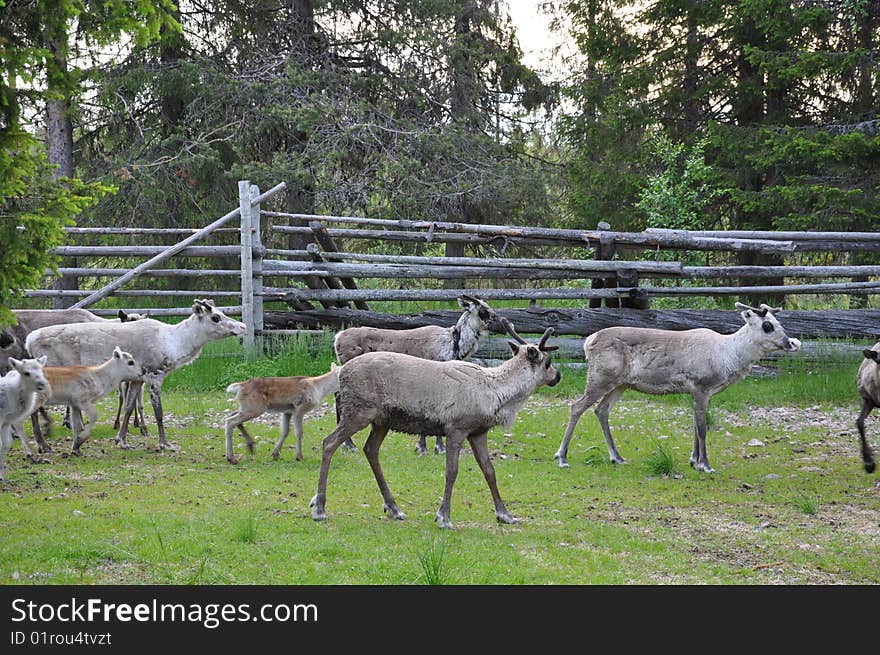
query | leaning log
[830, 324]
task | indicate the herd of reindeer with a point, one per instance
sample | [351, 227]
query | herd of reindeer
[415, 381]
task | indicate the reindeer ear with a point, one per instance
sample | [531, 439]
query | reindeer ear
[16, 363]
[41, 360]
[117, 352]
[197, 307]
[465, 301]
[513, 346]
[121, 315]
[534, 355]
[871, 354]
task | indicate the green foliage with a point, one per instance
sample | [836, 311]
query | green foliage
[684, 189]
[33, 212]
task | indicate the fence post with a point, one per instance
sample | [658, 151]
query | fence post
[257, 271]
[247, 264]
[604, 251]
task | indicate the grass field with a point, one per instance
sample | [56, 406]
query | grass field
[798, 508]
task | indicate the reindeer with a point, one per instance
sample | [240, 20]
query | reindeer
[292, 396]
[18, 397]
[699, 362]
[868, 385]
[457, 342]
[394, 391]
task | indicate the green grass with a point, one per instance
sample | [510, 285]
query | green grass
[661, 462]
[798, 509]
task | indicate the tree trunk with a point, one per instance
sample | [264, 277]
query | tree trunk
[59, 142]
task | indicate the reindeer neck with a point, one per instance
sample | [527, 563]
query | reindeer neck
[514, 383]
[464, 338]
[326, 383]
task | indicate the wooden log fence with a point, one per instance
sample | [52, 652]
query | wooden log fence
[334, 277]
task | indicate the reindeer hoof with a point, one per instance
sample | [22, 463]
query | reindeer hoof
[421, 450]
[618, 460]
[443, 522]
[165, 445]
[275, 454]
[46, 450]
[250, 447]
[319, 516]
[705, 468]
[394, 512]
[34, 459]
[124, 446]
[870, 466]
[439, 450]
[232, 459]
[563, 463]
[507, 518]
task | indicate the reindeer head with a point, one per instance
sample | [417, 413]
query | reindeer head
[127, 317]
[31, 372]
[127, 364]
[539, 357]
[480, 316]
[766, 330]
[217, 324]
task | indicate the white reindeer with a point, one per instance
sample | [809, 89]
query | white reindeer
[18, 397]
[159, 347]
[292, 396]
[698, 362]
[393, 391]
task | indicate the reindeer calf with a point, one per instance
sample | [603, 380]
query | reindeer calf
[80, 387]
[18, 398]
[292, 396]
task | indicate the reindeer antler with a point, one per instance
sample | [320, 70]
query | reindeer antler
[760, 312]
[770, 309]
[511, 331]
[542, 344]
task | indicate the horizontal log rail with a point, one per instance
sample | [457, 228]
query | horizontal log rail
[140, 231]
[592, 265]
[804, 324]
[145, 251]
[143, 293]
[563, 293]
[578, 237]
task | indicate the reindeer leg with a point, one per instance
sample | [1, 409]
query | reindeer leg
[578, 407]
[285, 430]
[867, 454]
[701, 403]
[453, 450]
[156, 400]
[25, 446]
[602, 410]
[298, 431]
[438, 446]
[422, 445]
[42, 445]
[346, 427]
[5, 445]
[371, 450]
[480, 447]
